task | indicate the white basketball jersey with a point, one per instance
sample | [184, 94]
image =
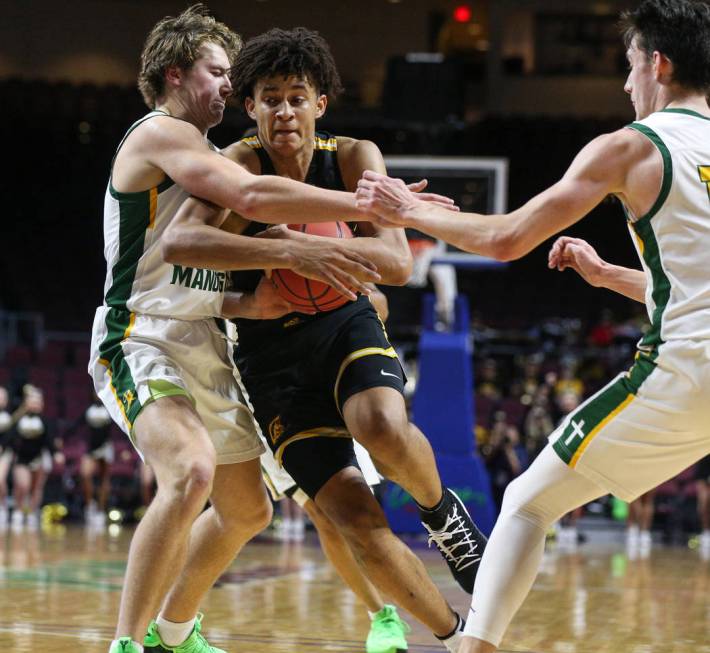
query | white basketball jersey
[673, 238]
[138, 279]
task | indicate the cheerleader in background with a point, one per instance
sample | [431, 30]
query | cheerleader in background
[34, 450]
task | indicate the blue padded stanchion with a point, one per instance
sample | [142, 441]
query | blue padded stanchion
[443, 409]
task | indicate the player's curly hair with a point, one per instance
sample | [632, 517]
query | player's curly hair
[298, 51]
[679, 29]
[176, 41]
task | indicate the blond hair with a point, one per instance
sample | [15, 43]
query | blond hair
[176, 41]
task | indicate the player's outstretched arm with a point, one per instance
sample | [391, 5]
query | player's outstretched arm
[599, 169]
[193, 238]
[180, 151]
[580, 256]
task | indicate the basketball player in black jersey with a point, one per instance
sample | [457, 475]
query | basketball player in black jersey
[316, 380]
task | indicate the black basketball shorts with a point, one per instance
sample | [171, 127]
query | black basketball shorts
[298, 383]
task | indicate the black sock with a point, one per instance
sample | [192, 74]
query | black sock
[435, 517]
[458, 625]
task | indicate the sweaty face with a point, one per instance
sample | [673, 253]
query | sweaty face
[285, 110]
[206, 86]
[641, 84]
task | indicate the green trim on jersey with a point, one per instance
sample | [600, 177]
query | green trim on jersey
[687, 112]
[583, 424]
[118, 325]
[651, 251]
[667, 168]
[135, 217]
[133, 223]
[661, 283]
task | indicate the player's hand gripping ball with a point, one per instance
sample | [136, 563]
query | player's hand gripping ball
[308, 294]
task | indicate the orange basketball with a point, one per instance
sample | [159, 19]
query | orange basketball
[308, 294]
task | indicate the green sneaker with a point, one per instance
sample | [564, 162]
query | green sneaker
[387, 632]
[123, 645]
[195, 643]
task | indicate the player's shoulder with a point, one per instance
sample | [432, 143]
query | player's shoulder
[243, 153]
[353, 146]
[356, 152]
[623, 146]
[627, 140]
[164, 131]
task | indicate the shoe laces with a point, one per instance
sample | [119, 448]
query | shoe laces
[196, 643]
[125, 645]
[455, 535]
[389, 620]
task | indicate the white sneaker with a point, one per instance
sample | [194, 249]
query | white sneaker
[297, 531]
[32, 521]
[98, 520]
[90, 512]
[645, 541]
[705, 540]
[282, 530]
[632, 537]
[17, 521]
[567, 537]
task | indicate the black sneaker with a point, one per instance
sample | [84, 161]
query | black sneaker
[459, 542]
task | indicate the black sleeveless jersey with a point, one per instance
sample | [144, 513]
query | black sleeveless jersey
[323, 172]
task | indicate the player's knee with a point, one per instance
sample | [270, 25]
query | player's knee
[362, 527]
[519, 502]
[191, 480]
[382, 430]
[198, 477]
[246, 519]
[258, 517]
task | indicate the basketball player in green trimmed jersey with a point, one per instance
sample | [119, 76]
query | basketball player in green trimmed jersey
[159, 363]
[317, 381]
[654, 420]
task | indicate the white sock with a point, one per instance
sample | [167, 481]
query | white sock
[136, 644]
[174, 634]
[372, 615]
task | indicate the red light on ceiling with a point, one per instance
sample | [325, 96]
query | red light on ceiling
[462, 14]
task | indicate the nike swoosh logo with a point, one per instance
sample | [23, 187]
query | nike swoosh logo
[388, 374]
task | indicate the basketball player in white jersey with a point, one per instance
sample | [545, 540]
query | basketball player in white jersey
[654, 420]
[158, 360]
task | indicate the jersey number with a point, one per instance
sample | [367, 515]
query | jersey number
[705, 176]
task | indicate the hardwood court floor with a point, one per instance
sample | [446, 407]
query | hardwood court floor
[59, 594]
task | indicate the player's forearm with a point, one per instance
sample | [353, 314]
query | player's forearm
[265, 198]
[470, 232]
[509, 236]
[626, 281]
[203, 246]
[239, 304]
[277, 200]
[394, 264]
